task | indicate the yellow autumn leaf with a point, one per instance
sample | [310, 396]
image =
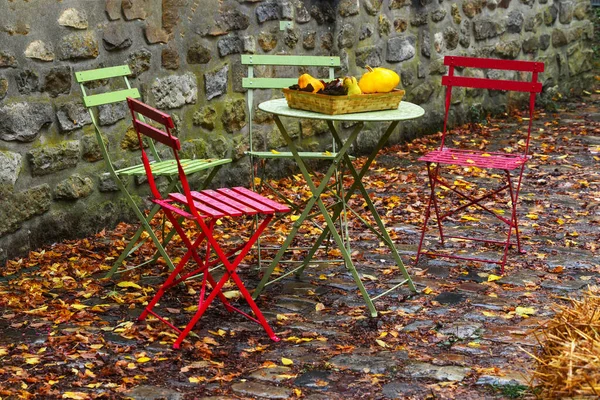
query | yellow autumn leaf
[427, 290]
[294, 217]
[281, 317]
[79, 306]
[75, 395]
[319, 306]
[474, 345]
[3, 351]
[525, 311]
[486, 155]
[381, 343]
[196, 379]
[469, 218]
[492, 278]
[274, 151]
[232, 294]
[298, 392]
[488, 313]
[469, 161]
[127, 284]
[532, 216]
[143, 359]
[286, 361]
[327, 153]
[32, 360]
[323, 277]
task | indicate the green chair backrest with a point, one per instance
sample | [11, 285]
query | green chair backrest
[114, 96]
[251, 82]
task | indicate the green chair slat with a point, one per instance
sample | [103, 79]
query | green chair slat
[110, 97]
[102, 73]
[314, 61]
[268, 83]
[206, 164]
[288, 154]
[169, 167]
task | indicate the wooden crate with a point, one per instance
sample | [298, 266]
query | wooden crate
[334, 105]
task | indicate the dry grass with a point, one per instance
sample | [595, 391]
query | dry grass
[568, 364]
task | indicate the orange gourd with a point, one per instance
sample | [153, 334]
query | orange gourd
[378, 80]
[306, 79]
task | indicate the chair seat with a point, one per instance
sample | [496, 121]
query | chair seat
[169, 167]
[225, 202]
[288, 154]
[474, 158]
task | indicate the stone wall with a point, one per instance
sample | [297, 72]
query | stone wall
[185, 58]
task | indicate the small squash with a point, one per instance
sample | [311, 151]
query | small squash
[306, 79]
[378, 80]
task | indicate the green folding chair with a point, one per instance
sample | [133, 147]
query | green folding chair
[166, 168]
[269, 66]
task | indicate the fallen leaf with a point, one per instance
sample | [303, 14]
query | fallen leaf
[286, 361]
[492, 278]
[525, 311]
[126, 284]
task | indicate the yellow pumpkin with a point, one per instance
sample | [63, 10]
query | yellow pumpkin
[378, 80]
[306, 79]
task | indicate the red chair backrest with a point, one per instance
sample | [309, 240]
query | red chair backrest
[533, 86]
[163, 136]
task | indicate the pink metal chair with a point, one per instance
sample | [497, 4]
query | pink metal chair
[205, 208]
[505, 162]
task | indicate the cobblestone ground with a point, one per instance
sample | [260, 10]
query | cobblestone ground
[465, 334]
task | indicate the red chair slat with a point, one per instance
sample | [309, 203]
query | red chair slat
[216, 204]
[493, 63]
[158, 135]
[150, 112]
[493, 84]
[275, 206]
[167, 204]
[247, 201]
[204, 209]
[474, 159]
[231, 201]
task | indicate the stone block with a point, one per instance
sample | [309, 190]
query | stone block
[169, 58]
[509, 49]
[268, 11]
[28, 81]
[72, 116]
[113, 9]
[487, 28]
[234, 115]
[139, 62]
[155, 34]
[58, 81]
[73, 18]
[198, 54]
[3, 87]
[10, 166]
[90, 149]
[400, 48]
[7, 60]
[109, 114]
[205, 118]
[116, 37]
[230, 45]
[23, 121]
[106, 183]
[175, 91]
[348, 8]
[215, 82]
[267, 41]
[370, 55]
[73, 188]
[19, 207]
[50, 159]
[40, 50]
[78, 46]
[346, 36]
[134, 9]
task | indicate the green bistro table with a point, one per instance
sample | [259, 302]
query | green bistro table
[279, 108]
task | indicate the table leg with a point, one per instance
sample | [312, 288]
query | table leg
[317, 199]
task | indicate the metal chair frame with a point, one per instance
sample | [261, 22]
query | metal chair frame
[505, 162]
[165, 168]
[204, 208]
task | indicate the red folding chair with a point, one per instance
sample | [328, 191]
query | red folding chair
[503, 161]
[204, 208]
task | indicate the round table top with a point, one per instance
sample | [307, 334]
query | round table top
[405, 111]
